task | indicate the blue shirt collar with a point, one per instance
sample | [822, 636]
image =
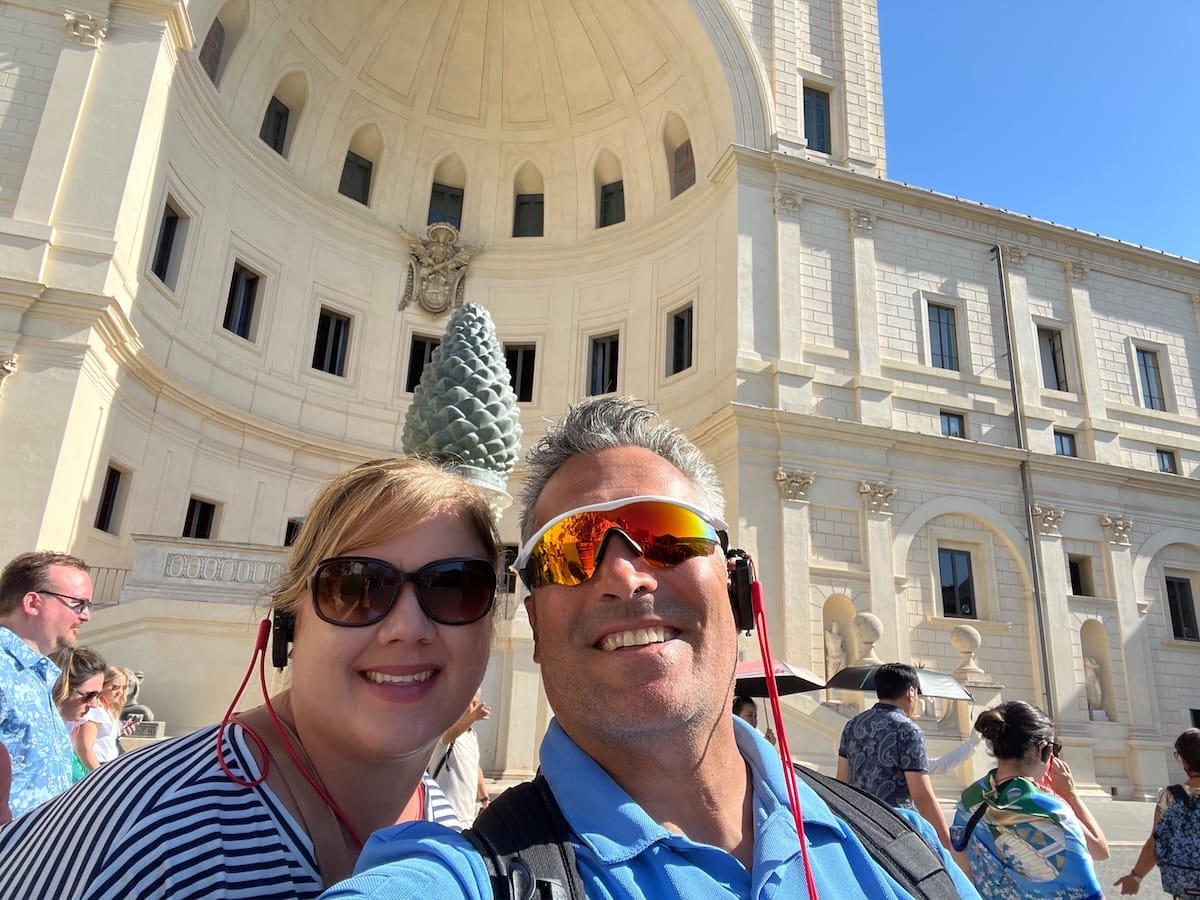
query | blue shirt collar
[616, 828]
[24, 656]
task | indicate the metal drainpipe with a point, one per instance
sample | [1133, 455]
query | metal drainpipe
[1035, 570]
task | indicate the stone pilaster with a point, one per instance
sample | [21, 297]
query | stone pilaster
[877, 557]
[1105, 434]
[872, 392]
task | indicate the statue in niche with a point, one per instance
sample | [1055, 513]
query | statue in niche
[437, 268]
[835, 650]
[1092, 686]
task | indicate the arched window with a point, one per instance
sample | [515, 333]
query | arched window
[610, 190]
[678, 146]
[223, 35]
[363, 155]
[446, 193]
[283, 112]
[528, 202]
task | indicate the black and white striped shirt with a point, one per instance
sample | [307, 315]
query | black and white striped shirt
[166, 822]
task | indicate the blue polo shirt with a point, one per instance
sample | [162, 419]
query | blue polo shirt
[30, 727]
[623, 853]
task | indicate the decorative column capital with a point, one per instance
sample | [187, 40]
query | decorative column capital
[1117, 528]
[794, 484]
[1076, 270]
[1047, 518]
[862, 221]
[1014, 257]
[85, 29]
[788, 203]
[877, 496]
[8, 366]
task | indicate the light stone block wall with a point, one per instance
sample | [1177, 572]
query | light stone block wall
[32, 40]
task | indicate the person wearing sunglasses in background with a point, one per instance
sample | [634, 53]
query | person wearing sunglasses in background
[386, 604]
[45, 597]
[665, 793]
[1022, 840]
[95, 740]
[78, 692]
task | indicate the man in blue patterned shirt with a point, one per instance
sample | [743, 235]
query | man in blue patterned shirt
[45, 597]
[882, 750]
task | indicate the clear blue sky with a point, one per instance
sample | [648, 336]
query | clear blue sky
[1086, 114]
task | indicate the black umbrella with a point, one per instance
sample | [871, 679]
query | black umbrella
[930, 683]
[789, 679]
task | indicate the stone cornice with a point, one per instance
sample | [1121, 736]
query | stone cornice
[173, 12]
[972, 220]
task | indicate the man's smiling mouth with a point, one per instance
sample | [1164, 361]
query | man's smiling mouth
[639, 637]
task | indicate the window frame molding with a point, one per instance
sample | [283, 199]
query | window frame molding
[322, 297]
[587, 336]
[414, 330]
[120, 502]
[982, 550]
[240, 250]
[837, 126]
[171, 189]
[963, 421]
[669, 310]
[214, 527]
[1192, 578]
[1162, 353]
[965, 369]
[538, 362]
[1070, 363]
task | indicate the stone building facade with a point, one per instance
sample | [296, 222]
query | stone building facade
[928, 413]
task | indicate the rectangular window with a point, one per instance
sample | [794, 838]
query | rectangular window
[1182, 609]
[528, 215]
[602, 378]
[679, 354]
[239, 306]
[958, 587]
[1080, 570]
[356, 178]
[508, 577]
[110, 494]
[419, 355]
[332, 343]
[1167, 461]
[817, 131]
[171, 230]
[943, 339]
[445, 204]
[1195, 718]
[683, 168]
[1151, 379]
[1054, 365]
[953, 424]
[199, 521]
[275, 124]
[292, 530]
[520, 359]
[1064, 443]
[612, 203]
[210, 51]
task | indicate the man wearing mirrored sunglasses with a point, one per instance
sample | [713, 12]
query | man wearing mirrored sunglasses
[665, 793]
[45, 597]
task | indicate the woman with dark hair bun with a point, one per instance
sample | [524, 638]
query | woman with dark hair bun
[1180, 877]
[1022, 840]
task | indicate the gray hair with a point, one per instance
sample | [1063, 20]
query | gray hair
[606, 423]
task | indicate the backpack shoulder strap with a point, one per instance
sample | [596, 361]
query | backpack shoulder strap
[890, 838]
[526, 846]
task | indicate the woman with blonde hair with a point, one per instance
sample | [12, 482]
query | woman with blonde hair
[1021, 840]
[95, 740]
[385, 611]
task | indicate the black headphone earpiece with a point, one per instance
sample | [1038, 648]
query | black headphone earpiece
[283, 632]
[740, 577]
